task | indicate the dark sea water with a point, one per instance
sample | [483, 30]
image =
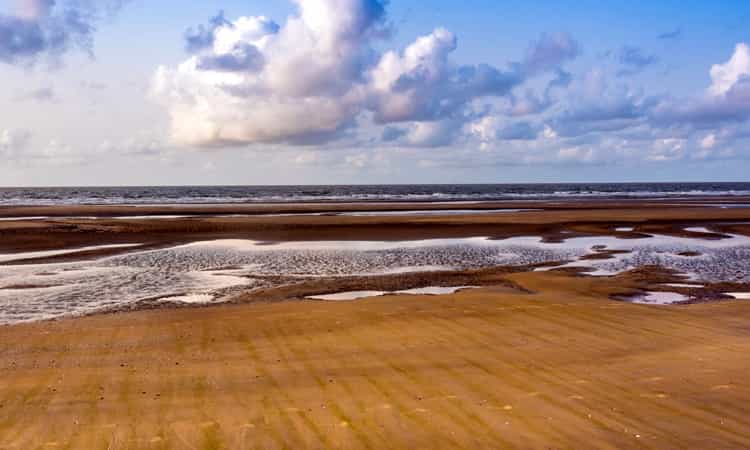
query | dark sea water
[448, 192]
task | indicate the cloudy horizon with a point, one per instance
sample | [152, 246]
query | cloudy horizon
[123, 92]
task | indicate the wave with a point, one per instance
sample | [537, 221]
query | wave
[385, 193]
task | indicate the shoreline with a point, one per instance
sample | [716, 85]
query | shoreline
[81, 240]
[547, 220]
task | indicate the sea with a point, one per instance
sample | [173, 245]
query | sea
[361, 193]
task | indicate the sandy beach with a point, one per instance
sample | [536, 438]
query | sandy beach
[491, 368]
[527, 359]
[374, 224]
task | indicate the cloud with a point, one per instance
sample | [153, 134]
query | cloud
[600, 119]
[138, 146]
[392, 133]
[634, 60]
[494, 128]
[48, 29]
[674, 34]
[321, 75]
[709, 141]
[528, 103]
[576, 154]
[594, 105]
[725, 76]
[17, 148]
[562, 79]
[519, 131]
[202, 37]
[13, 143]
[258, 82]
[422, 84]
[669, 149]
[45, 94]
[22, 148]
[433, 134]
[726, 100]
[550, 51]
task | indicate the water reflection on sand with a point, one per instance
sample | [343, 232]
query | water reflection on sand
[213, 271]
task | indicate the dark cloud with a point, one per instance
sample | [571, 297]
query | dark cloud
[202, 36]
[46, 29]
[634, 60]
[244, 57]
[674, 34]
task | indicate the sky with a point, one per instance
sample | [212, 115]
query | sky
[137, 92]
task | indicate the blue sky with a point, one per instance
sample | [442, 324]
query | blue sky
[363, 91]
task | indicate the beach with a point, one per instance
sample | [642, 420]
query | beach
[374, 224]
[539, 352]
[561, 368]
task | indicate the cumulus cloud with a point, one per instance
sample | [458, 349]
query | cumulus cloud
[725, 76]
[49, 28]
[598, 118]
[727, 99]
[325, 76]
[421, 83]
[258, 82]
[310, 80]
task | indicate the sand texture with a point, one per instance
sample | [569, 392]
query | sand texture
[562, 367]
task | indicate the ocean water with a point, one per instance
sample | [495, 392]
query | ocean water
[427, 193]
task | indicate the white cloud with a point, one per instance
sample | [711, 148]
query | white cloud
[252, 81]
[13, 143]
[577, 154]
[725, 76]
[262, 83]
[726, 101]
[432, 134]
[709, 141]
[667, 150]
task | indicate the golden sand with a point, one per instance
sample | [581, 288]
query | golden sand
[562, 367]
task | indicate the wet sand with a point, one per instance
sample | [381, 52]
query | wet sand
[552, 220]
[561, 367]
[529, 360]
